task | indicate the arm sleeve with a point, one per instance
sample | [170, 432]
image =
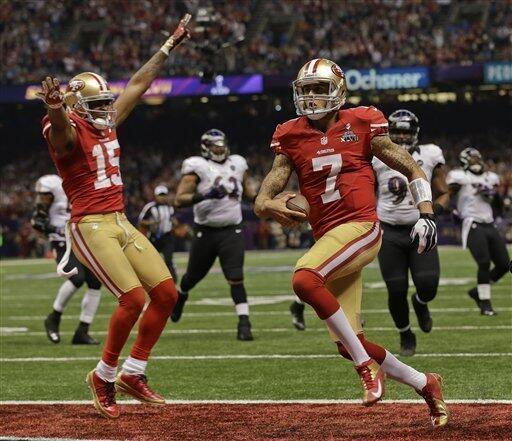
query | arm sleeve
[378, 123]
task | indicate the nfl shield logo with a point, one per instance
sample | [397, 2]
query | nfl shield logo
[323, 140]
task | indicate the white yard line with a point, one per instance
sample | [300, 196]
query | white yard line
[21, 332]
[244, 402]
[251, 357]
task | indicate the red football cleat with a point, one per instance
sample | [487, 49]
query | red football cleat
[433, 395]
[137, 387]
[103, 395]
[373, 379]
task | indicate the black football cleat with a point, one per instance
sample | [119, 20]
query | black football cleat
[486, 308]
[297, 310]
[51, 324]
[244, 329]
[422, 313]
[407, 344]
[83, 338]
[178, 308]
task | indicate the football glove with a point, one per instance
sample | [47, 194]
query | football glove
[180, 34]
[41, 221]
[51, 94]
[426, 232]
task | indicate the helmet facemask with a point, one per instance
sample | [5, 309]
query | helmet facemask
[471, 159]
[98, 110]
[306, 101]
[214, 146]
[404, 128]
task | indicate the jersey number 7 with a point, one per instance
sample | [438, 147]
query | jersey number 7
[331, 194]
[98, 151]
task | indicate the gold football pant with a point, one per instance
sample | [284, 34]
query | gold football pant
[117, 253]
[338, 257]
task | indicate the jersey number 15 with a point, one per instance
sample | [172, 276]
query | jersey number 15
[98, 151]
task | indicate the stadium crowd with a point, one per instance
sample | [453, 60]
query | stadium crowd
[114, 37]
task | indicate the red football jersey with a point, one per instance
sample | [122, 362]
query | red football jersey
[334, 168]
[90, 171]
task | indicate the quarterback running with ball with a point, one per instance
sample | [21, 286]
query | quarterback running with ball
[80, 129]
[331, 151]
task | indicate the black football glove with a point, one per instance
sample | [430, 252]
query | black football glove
[41, 221]
[217, 192]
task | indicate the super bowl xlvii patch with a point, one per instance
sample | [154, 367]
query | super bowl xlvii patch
[349, 135]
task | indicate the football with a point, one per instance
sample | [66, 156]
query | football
[297, 203]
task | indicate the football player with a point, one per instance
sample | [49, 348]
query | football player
[475, 189]
[397, 213]
[214, 184]
[49, 217]
[331, 151]
[80, 129]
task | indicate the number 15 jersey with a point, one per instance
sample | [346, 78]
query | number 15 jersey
[334, 168]
[90, 171]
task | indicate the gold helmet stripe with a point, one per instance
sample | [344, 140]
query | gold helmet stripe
[100, 80]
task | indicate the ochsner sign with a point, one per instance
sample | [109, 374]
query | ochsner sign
[392, 78]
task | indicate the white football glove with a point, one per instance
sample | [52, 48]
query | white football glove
[426, 231]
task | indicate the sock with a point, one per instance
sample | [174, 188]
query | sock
[406, 330]
[56, 315]
[484, 291]
[155, 317]
[106, 372]
[417, 298]
[90, 304]
[376, 352]
[66, 291]
[242, 309]
[340, 327]
[238, 293]
[310, 287]
[121, 323]
[132, 366]
[403, 373]
[83, 328]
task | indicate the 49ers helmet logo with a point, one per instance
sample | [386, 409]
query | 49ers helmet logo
[337, 71]
[76, 85]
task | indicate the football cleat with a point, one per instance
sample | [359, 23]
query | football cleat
[51, 324]
[103, 395]
[422, 313]
[83, 338]
[137, 387]
[407, 344]
[484, 305]
[297, 310]
[178, 308]
[433, 395]
[373, 381]
[244, 329]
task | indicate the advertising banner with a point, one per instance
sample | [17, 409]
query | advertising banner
[388, 78]
[498, 73]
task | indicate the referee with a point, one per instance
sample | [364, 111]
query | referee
[157, 220]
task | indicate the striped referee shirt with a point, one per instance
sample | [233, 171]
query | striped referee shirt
[161, 213]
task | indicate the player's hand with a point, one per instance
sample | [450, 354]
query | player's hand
[51, 94]
[217, 192]
[277, 209]
[40, 221]
[426, 232]
[180, 34]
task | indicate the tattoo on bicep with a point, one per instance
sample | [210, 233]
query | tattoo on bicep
[393, 156]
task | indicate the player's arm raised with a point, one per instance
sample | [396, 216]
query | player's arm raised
[273, 184]
[401, 160]
[62, 135]
[143, 78]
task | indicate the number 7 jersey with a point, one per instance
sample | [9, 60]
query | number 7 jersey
[334, 168]
[90, 171]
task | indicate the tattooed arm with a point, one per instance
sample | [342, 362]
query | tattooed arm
[143, 78]
[400, 160]
[273, 184]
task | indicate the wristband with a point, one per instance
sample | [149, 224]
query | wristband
[430, 216]
[421, 191]
[168, 46]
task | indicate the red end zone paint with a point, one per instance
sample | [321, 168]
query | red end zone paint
[257, 422]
